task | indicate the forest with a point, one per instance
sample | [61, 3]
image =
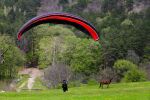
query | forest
[64, 52]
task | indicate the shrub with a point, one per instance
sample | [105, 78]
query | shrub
[122, 67]
[106, 73]
[134, 76]
[129, 72]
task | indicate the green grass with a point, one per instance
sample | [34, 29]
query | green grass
[122, 91]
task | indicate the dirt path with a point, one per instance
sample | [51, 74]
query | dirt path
[33, 73]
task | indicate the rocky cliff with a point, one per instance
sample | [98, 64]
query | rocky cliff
[91, 5]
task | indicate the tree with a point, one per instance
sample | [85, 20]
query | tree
[51, 43]
[13, 58]
[14, 13]
[83, 55]
[56, 73]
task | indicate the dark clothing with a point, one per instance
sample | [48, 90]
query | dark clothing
[64, 86]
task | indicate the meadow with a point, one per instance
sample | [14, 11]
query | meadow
[120, 91]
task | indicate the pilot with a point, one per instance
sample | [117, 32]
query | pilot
[64, 86]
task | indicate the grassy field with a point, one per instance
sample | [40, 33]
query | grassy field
[122, 91]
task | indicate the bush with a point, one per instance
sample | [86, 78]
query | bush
[122, 67]
[106, 73]
[129, 72]
[134, 76]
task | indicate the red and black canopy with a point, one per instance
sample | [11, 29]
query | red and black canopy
[60, 18]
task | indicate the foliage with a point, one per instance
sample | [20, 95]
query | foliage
[85, 55]
[45, 52]
[13, 58]
[120, 27]
[62, 46]
[128, 71]
[50, 43]
[126, 23]
[14, 13]
[124, 65]
[119, 30]
[134, 76]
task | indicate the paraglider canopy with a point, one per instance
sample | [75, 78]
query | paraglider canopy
[60, 18]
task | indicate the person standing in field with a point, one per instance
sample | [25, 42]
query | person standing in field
[64, 86]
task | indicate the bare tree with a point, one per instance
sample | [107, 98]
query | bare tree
[132, 56]
[106, 73]
[1, 57]
[56, 73]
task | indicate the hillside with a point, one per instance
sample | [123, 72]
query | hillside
[91, 5]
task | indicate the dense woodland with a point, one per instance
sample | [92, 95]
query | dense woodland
[123, 51]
